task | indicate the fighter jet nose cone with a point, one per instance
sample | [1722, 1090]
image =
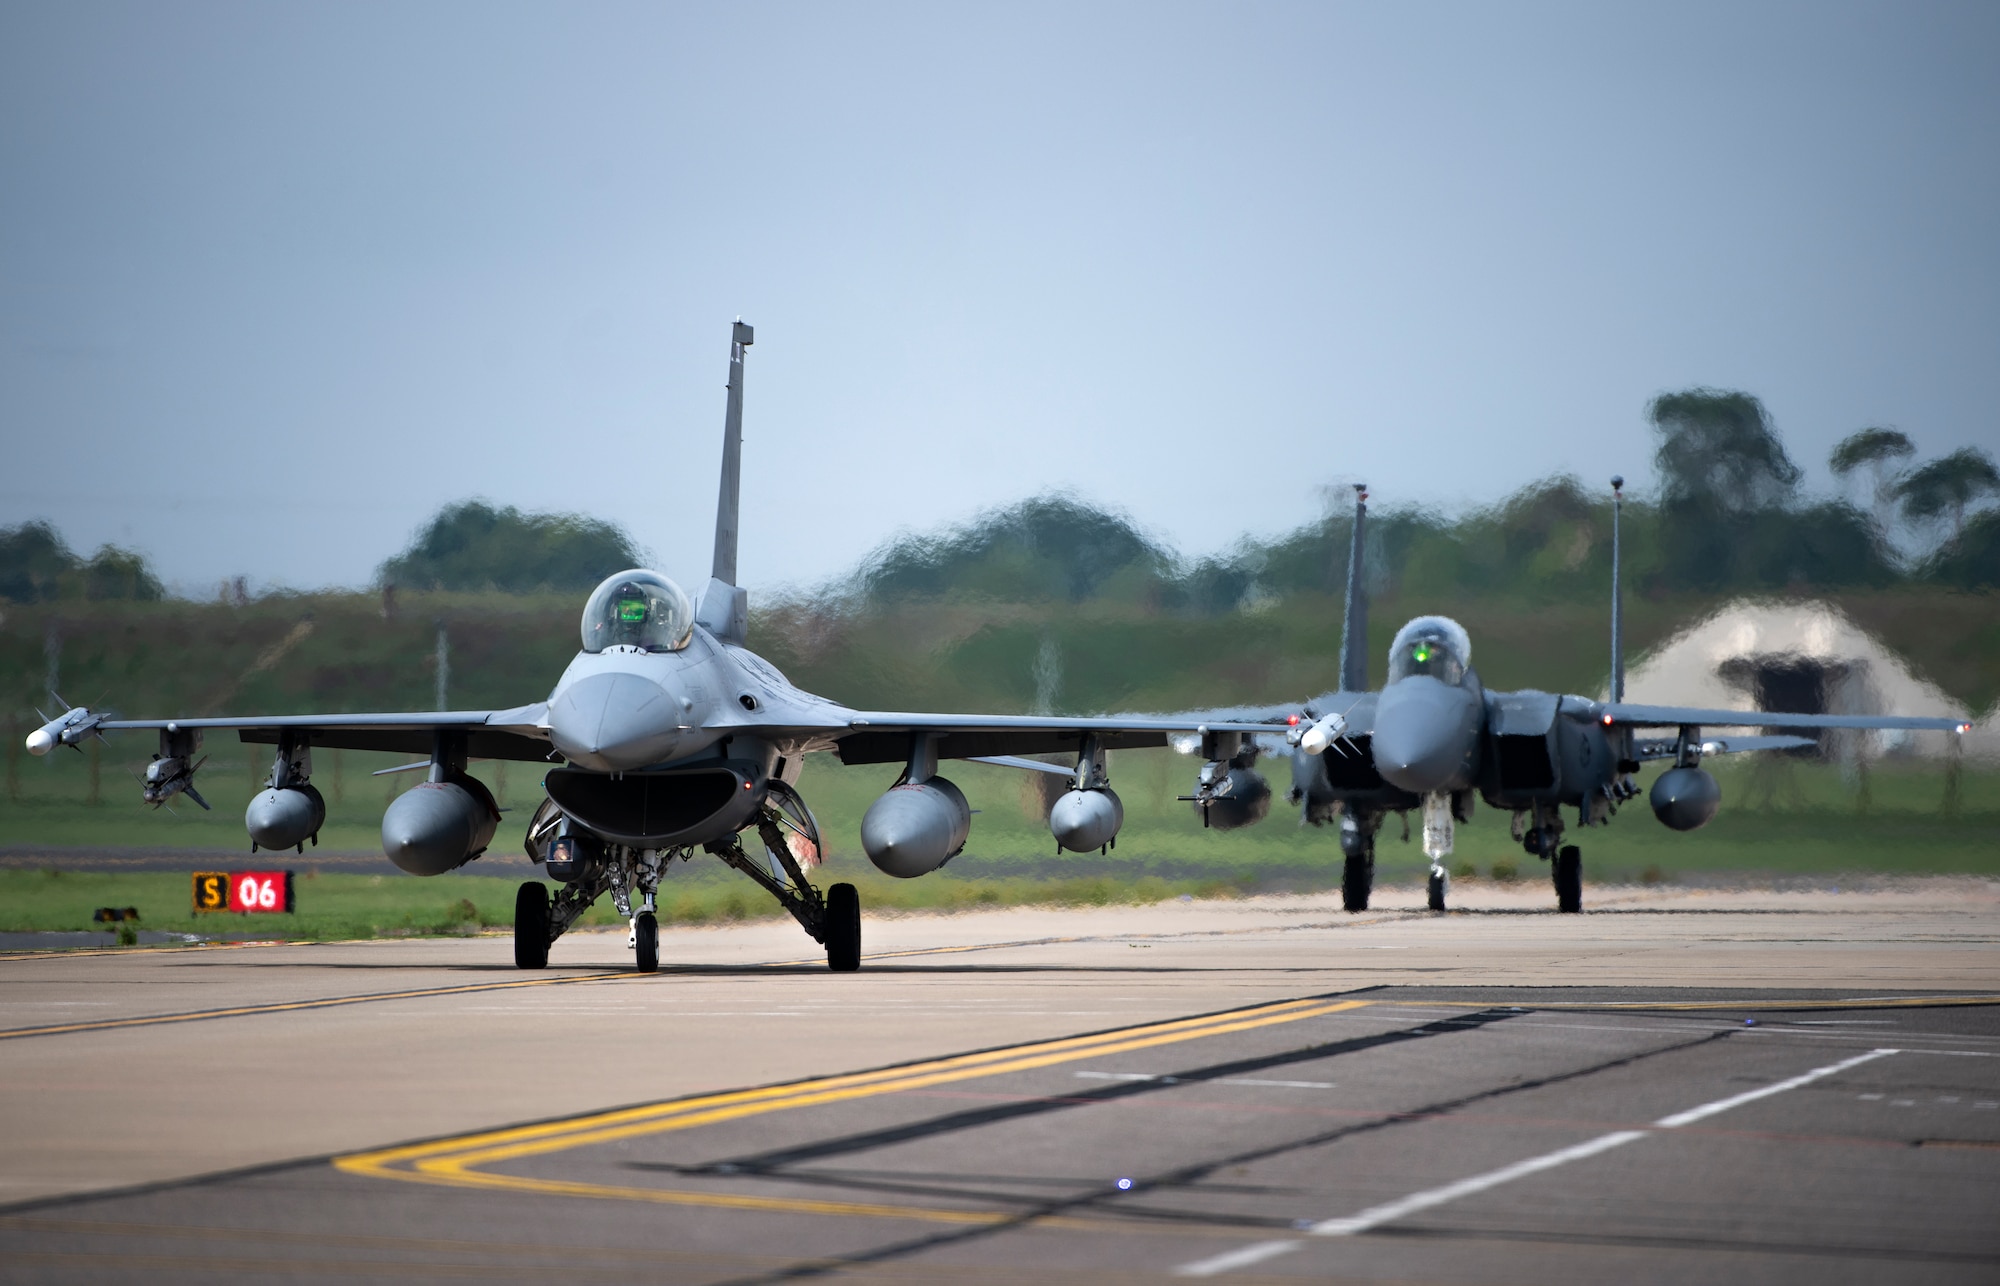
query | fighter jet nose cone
[1424, 734]
[614, 722]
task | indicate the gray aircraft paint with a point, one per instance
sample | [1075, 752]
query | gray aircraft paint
[663, 752]
[1424, 745]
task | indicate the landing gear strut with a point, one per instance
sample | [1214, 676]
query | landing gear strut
[1439, 813]
[632, 877]
[1541, 834]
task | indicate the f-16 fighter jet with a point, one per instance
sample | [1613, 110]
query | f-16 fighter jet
[1434, 739]
[666, 738]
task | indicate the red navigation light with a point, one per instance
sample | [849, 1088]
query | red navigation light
[1292, 720]
[1607, 721]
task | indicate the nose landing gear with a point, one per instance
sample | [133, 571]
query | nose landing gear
[646, 941]
[1438, 818]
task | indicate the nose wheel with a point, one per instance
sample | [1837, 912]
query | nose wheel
[646, 941]
[1440, 882]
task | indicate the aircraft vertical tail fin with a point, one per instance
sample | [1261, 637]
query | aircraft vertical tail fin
[1617, 595]
[1354, 619]
[726, 502]
[724, 610]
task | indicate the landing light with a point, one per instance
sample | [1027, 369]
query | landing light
[1607, 721]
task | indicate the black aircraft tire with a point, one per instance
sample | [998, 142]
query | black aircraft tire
[531, 926]
[1569, 878]
[1357, 880]
[646, 935]
[843, 929]
[1437, 890]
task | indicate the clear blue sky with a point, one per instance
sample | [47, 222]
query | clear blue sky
[278, 280]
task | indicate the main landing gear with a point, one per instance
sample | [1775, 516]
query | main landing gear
[843, 929]
[1542, 836]
[531, 926]
[589, 869]
[1567, 872]
[1357, 845]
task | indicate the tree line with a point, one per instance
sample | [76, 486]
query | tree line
[1728, 516]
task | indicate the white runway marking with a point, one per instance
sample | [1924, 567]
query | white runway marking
[1375, 1216]
[1230, 1261]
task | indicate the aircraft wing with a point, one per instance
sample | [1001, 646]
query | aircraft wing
[1688, 716]
[878, 737]
[520, 733]
[1668, 747]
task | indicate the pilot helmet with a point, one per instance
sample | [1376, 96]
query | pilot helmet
[1431, 645]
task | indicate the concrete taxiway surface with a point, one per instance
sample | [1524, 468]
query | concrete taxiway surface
[1780, 1086]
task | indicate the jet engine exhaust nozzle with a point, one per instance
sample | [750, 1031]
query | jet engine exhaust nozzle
[916, 827]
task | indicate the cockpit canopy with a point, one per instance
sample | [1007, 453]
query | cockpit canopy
[1433, 645]
[639, 609]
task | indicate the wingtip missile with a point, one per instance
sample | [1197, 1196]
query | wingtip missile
[1328, 730]
[74, 725]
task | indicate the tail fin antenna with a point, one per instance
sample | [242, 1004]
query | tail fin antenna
[1354, 619]
[1617, 596]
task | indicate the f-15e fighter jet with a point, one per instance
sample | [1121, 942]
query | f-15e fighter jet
[665, 738]
[1434, 738]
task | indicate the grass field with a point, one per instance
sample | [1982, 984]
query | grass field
[1779, 818]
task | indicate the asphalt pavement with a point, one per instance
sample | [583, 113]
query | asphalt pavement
[1669, 1089]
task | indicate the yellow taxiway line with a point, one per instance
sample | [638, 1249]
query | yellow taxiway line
[458, 1161]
